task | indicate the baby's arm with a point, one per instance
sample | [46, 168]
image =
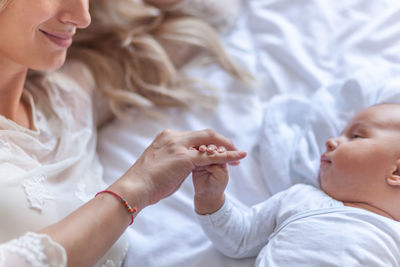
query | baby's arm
[235, 233]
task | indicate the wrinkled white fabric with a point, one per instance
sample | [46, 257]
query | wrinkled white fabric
[302, 226]
[48, 172]
[332, 52]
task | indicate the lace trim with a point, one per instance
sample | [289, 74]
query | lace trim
[31, 247]
[36, 193]
[5, 145]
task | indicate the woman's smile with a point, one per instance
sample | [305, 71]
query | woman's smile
[60, 39]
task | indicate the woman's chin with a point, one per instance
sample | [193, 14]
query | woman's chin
[51, 63]
[49, 67]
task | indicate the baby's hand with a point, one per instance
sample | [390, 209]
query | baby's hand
[210, 183]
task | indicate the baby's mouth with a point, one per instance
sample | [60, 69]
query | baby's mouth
[325, 160]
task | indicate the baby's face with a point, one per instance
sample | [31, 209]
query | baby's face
[356, 164]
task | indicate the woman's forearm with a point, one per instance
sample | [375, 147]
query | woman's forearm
[90, 231]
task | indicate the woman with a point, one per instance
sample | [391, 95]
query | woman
[49, 171]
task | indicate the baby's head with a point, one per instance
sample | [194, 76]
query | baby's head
[362, 165]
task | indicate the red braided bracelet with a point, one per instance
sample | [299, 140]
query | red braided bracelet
[131, 210]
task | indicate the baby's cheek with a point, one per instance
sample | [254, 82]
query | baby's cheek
[354, 169]
[343, 162]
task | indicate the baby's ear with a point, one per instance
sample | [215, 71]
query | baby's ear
[394, 177]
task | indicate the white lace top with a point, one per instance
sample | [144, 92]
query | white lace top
[48, 172]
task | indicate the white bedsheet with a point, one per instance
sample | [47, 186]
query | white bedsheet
[317, 61]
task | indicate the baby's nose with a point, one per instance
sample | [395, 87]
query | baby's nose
[331, 144]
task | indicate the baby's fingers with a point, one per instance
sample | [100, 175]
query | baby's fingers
[221, 149]
[212, 149]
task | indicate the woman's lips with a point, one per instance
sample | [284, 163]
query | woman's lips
[62, 40]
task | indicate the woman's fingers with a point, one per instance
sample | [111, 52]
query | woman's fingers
[210, 149]
[198, 138]
[203, 159]
[219, 150]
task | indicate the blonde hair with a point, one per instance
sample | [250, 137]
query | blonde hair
[124, 48]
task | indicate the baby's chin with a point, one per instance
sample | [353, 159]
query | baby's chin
[323, 185]
[332, 190]
[319, 180]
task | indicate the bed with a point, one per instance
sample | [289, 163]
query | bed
[317, 62]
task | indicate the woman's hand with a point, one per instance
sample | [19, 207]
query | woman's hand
[156, 174]
[210, 183]
[172, 157]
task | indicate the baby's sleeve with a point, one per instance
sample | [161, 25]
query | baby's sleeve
[222, 14]
[240, 234]
[32, 250]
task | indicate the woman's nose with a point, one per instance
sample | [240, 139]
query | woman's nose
[76, 12]
[331, 144]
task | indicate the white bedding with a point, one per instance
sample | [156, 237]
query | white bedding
[317, 62]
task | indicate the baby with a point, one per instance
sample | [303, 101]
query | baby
[353, 220]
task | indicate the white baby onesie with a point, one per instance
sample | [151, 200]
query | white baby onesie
[302, 226]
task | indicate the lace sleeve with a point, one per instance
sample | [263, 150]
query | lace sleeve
[32, 250]
[222, 13]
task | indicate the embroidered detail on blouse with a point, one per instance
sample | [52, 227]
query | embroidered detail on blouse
[36, 250]
[36, 193]
[108, 263]
[80, 192]
[5, 145]
[30, 248]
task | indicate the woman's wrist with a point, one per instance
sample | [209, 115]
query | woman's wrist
[133, 190]
[208, 204]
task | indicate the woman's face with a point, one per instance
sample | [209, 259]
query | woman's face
[37, 33]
